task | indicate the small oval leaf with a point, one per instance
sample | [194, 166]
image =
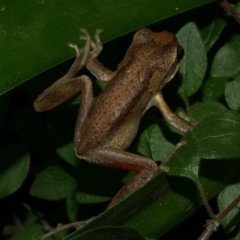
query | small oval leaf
[185, 161]
[226, 61]
[53, 183]
[200, 110]
[153, 143]
[232, 94]
[213, 88]
[194, 63]
[14, 166]
[212, 31]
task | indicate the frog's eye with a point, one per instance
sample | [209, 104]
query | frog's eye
[180, 52]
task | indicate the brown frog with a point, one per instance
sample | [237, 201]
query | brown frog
[107, 124]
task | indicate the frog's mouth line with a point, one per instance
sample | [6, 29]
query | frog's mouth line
[171, 73]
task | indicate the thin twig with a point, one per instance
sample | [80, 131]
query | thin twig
[230, 8]
[208, 231]
[205, 201]
[211, 227]
[45, 225]
[229, 208]
[61, 227]
[163, 166]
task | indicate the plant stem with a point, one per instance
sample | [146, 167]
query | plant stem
[211, 227]
[206, 234]
[60, 227]
[205, 201]
[229, 208]
[229, 8]
[163, 166]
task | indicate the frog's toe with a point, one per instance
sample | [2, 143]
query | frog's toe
[97, 35]
[85, 35]
[72, 45]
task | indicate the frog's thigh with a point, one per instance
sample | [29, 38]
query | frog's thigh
[62, 90]
[117, 158]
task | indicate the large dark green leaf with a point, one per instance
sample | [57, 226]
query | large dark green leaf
[111, 233]
[34, 34]
[160, 205]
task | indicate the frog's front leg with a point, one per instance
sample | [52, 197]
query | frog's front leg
[121, 159]
[93, 65]
[68, 86]
[171, 117]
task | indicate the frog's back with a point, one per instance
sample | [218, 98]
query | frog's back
[114, 116]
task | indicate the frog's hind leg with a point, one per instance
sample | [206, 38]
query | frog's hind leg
[69, 85]
[121, 159]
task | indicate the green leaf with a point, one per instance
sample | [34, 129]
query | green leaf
[217, 136]
[34, 34]
[153, 143]
[110, 233]
[185, 161]
[101, 84]
[231, 221]
[53, 183]
[212, 31]
[72, 208]
[213, 88]
[237, 237]
[200, 110]
[232, 94]
[30, 232]
[237, 7]
[226, 61]
[163, 203]
[14, 165]
[67, 152]
[194, 63]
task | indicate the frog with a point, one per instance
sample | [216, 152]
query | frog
[107, 123]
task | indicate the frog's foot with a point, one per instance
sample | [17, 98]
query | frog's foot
[80, 60]
[96, 47]
[83, 56]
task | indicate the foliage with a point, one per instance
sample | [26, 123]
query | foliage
[43, 183]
